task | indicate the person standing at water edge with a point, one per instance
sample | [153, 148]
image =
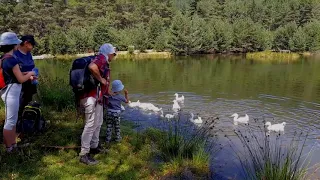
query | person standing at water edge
[114, 110]
[10, 94]
[92, 103]
[23, 54]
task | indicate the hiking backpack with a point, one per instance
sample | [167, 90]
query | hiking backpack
[81, 79]
[2, 80]
[31, 121]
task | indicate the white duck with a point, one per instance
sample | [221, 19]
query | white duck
[167, 116]
[275, 127]
[179, 99]
[237, 119]
[196, 121]
[122, 108]
[134, 104]
[149, 107]
[175, 106]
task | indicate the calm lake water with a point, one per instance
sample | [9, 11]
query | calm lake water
[220, 86]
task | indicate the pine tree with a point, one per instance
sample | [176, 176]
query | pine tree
[101, 33]
[184, 35]
[298, 41]
[155, 28]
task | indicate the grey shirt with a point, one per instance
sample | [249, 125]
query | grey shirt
[114, 102]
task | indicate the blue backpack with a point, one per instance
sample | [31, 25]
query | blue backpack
[81, 79]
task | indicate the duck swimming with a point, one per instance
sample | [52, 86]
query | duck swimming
[175, 106]
[134, 104]
[237, 119]
[179, 99]
[195, 121]
[275, 127]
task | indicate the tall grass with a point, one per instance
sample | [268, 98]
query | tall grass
[56, 93]
[271, 157]
[273, 56]
[182, 140]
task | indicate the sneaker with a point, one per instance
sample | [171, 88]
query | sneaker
[86, 159]
[118, 139]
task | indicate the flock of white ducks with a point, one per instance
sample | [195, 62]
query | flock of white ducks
[175, 108]
[269, 127]
[198, 121]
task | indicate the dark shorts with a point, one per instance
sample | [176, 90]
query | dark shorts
[28, 89]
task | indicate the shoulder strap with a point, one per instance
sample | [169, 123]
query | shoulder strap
[5, 56]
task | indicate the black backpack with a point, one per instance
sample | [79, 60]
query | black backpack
[81, 79]
[32, 120]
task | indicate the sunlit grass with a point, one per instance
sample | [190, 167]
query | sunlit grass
[122, 55]
[133, 158]
[273, 56]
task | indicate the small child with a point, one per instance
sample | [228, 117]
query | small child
[114, 110]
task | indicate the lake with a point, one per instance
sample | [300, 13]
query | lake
[218, 86]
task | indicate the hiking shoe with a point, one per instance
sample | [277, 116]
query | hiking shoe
[86, 159]
[118, 139]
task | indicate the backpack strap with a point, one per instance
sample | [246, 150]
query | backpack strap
[4, 57]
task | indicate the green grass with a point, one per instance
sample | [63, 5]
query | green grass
[131, 54]
[273, 56]
[133, 158]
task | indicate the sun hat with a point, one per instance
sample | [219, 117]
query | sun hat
[117, 86]
[107, 49]
[9, 38]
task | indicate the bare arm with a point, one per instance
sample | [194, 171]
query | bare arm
[21, 77]
[96, 73]
[126, 96]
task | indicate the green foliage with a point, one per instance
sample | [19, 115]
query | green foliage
[283, 36]
[298, 42]
[155, 29]
[58, 43]
[183, 26]
[218, 35]
[140, 38]
[184, 36]
[80, 39]
[101, 33]
[130, 49]
[312, 35]
[250, 36]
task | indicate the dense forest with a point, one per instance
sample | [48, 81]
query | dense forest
[182, 26]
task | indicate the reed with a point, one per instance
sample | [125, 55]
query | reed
[271, 157]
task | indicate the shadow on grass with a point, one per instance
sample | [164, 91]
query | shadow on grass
[133, 158]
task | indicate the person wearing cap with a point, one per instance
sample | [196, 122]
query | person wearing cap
[114, 110]
[92, 103]
[27, 64]
[10, 94]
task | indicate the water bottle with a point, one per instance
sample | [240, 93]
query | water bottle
[36, 72]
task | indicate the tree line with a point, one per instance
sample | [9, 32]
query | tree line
[182, 26]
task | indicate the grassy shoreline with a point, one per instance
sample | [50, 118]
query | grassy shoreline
[150, 54]
[120, 54]
[276, 56]
[136, 157]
